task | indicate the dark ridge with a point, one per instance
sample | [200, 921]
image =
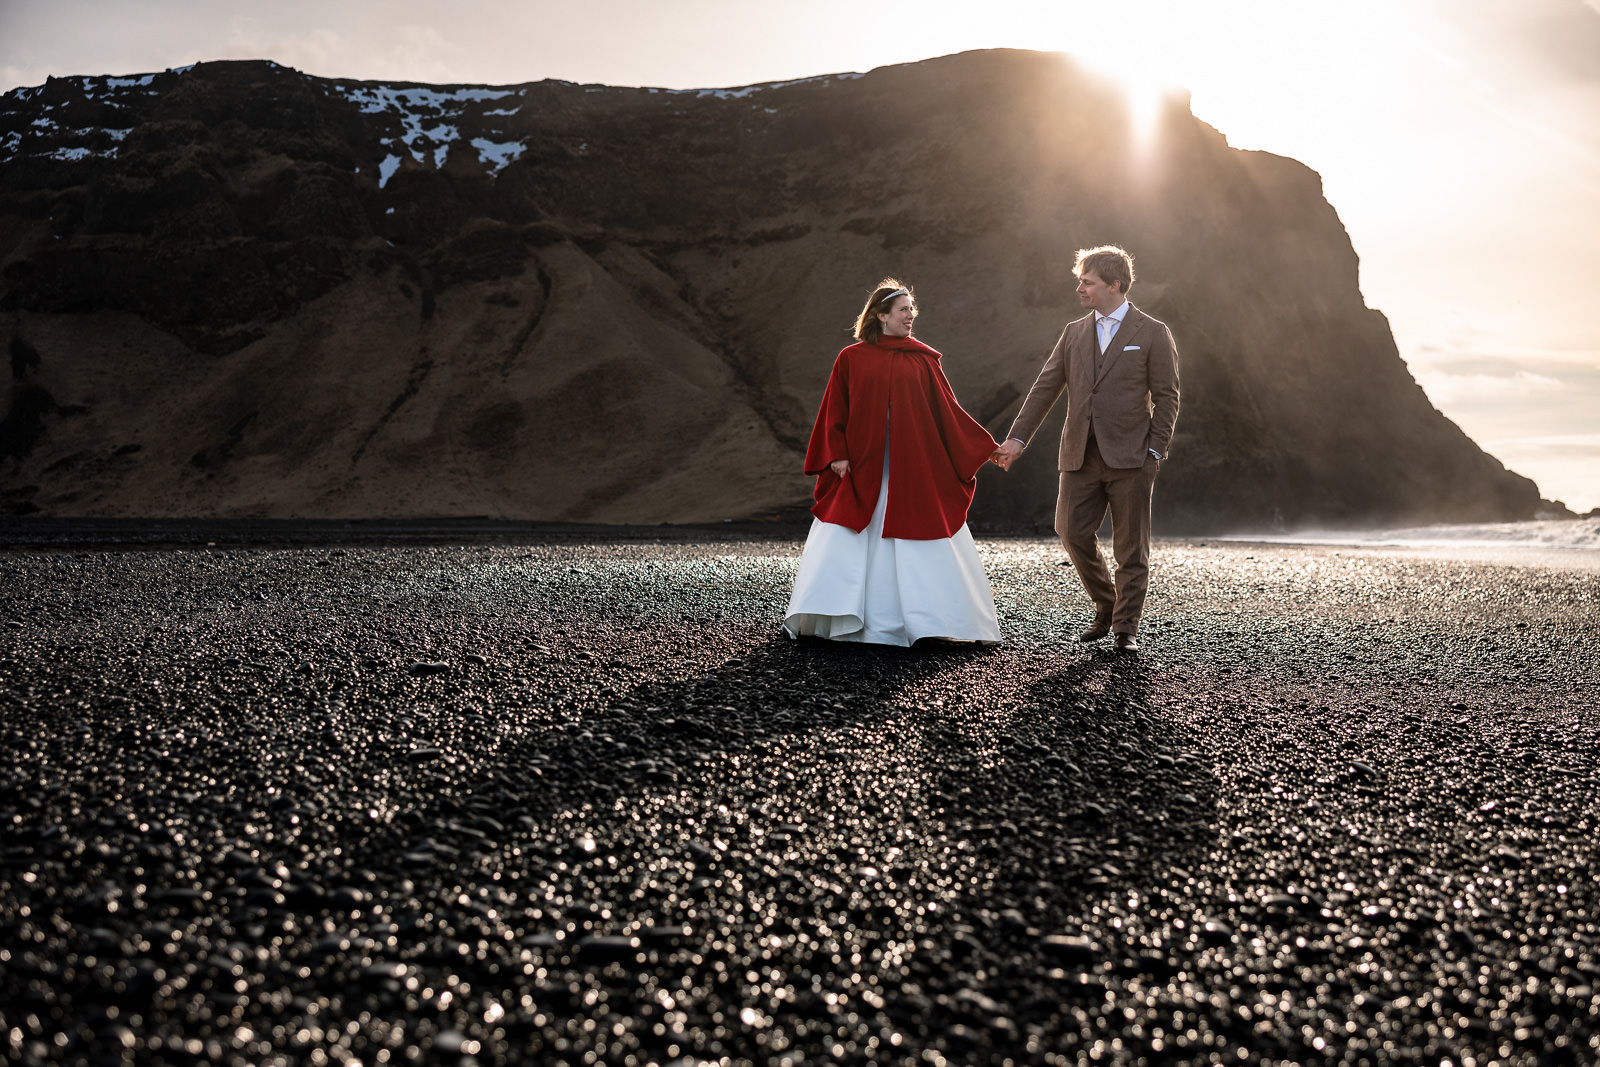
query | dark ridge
[24, 357]
[23, 425]
[419, 374]
[696, 254]
[215, 456]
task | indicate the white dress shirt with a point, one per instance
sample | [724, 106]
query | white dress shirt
[1106, 325]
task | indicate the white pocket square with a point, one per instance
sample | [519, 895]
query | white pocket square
[1130, 348]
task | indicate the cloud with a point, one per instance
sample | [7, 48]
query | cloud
[1575, 446]
[1565, 466]
[1454, 390]
[421, 49]
[342, 47]
[315, 51]
[1537, 410]
[1559, 40]
[1576, 368]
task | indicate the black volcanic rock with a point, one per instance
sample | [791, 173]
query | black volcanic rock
[312, 297]
[669, 834]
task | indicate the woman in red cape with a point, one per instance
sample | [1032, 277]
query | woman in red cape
[889, 559]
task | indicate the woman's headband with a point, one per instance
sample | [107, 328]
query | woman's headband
[897, 292]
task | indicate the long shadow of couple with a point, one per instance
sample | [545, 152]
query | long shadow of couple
[822, 841]
[990, 811]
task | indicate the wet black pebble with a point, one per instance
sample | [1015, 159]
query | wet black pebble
[1319, 821]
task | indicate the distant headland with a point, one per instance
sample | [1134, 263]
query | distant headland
[236, 290]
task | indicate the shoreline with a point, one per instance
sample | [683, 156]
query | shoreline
[1508, 554]
[1469, 543]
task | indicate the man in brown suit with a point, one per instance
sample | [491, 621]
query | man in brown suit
[1119, 368]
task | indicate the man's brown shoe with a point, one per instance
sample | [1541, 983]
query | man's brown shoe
[1127, 643]
[1097, 629]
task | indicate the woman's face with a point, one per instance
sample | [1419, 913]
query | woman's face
[896, 322]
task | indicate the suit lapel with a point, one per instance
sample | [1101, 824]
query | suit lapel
[1083, 351]
[1127, 334]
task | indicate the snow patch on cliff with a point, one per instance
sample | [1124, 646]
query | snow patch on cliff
[386, 169]
[743, 91]
[497, 154]
[429, 122]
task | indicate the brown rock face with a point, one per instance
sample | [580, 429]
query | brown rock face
[239, 290]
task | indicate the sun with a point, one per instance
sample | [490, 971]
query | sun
[1245, 62]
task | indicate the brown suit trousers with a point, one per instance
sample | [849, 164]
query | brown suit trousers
[1085, 496]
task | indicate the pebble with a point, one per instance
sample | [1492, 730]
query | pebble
[608, 948]
[1074, 947]
[969, 849]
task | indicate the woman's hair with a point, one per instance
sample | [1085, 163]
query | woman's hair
[868, 328]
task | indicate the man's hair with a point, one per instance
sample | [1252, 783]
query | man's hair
[867, 327]
[1109, 263]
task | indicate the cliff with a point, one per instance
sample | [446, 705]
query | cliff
[237, 290]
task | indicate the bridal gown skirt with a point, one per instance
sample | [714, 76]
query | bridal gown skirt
[888, 590]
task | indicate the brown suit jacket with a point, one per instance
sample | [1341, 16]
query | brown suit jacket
[1129, 395]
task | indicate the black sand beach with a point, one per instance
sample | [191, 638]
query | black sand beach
[575, 800]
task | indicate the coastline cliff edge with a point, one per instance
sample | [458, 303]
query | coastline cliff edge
[236, 290]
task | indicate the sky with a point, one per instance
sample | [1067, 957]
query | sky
[1459, 140]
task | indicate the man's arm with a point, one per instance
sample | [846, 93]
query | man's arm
[1047, 388]
[1162, 370]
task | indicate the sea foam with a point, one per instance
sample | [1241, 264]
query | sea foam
[1558, 534]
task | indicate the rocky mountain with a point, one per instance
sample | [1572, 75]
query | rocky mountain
[238, 290]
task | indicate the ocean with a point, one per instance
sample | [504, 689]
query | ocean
[1569, 541]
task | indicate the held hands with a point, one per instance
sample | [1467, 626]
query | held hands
[1006, 454]
[841, 467]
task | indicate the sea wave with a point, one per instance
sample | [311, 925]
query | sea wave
[1552, 534]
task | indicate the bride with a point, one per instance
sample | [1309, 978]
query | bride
[889, 559]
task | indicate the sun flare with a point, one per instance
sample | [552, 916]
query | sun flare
[1240, 59]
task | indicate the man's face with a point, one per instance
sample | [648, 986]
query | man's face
[1096, 295]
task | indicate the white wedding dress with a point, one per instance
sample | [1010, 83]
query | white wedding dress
[889, 590]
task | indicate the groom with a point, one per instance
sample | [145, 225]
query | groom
[1119, 368]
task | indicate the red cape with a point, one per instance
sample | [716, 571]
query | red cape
[936, 446]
